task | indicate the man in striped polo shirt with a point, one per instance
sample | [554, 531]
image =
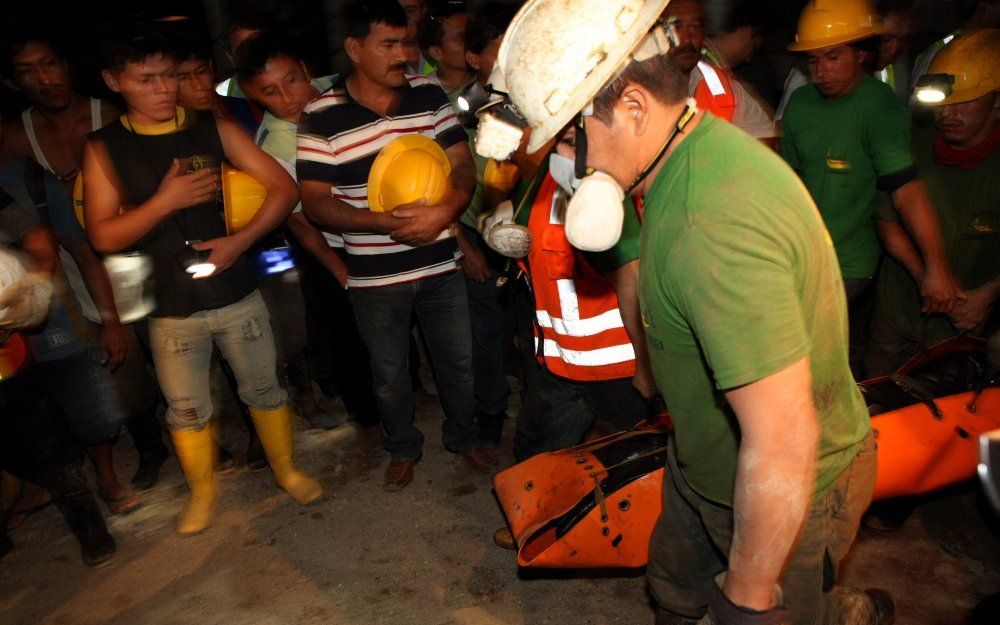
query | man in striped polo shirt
[401, 261]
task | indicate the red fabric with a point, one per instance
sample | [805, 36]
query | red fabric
[722, 105]
[969, 158]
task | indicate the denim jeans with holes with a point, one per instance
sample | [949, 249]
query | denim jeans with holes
[182, 352]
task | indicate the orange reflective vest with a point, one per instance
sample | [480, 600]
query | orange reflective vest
[714, 92]
[579, 332]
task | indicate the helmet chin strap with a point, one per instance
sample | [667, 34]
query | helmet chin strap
[686, 116]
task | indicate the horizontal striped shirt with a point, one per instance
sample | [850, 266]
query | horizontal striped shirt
[338, 141]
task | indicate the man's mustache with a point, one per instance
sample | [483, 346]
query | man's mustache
[687, 47]
[396, 66]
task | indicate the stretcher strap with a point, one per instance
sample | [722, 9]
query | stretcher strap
[596, 476]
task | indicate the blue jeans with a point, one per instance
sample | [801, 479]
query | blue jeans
[182, 351]
[85, 391]
[442, 308]
[491, 388]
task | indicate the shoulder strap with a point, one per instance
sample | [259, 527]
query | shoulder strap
[36, 149]
[95, 114]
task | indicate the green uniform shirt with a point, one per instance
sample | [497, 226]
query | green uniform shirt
[738, 280]
[840, 148]
[967, 202]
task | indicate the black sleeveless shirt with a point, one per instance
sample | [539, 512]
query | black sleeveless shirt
[140, 162]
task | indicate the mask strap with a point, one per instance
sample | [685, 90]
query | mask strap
[689, 112]
[580, 143]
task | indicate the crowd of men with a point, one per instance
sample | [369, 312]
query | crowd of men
[710, 282]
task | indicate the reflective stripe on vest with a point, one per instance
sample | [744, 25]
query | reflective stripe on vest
[579, 325]
[714, 92]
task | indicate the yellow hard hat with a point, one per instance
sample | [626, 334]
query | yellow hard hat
[78, 198]
[408, 169]
[833, 22]
[963, 70]
[242, 197]
[499, 179]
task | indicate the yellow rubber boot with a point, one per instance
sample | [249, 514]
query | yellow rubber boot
[274, 427]
[195, 452]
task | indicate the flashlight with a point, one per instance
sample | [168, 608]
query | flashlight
[195, 262]
[934, 88]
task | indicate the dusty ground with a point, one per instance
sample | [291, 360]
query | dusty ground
[423, 556]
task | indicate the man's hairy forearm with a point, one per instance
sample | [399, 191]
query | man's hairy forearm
[899, 245]
[328, 211]
[775, 473]
[921, 221]
[463, 184]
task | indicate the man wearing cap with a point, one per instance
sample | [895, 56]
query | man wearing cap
[772, 461]
[847, 136]
[958, 162]
[400, 258]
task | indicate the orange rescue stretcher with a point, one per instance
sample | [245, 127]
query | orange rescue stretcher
[595, 505]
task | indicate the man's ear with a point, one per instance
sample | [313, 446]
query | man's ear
[435, 53]
[305, 70]
[472, 59]
[110, 80]
[744, 33]
[351, 47]
[634, 104]
[7, 82]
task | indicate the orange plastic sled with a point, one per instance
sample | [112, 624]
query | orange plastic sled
[595, 505]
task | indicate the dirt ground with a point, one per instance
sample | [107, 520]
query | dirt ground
[423, 556]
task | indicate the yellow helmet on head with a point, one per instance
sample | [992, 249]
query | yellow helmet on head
[833, 22]
[963, 70]
[408, 168]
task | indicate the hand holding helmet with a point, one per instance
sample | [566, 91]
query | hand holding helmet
[502, 234]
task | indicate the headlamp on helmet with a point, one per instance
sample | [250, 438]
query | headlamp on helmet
[934, 88]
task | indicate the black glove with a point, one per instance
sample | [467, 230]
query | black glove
[722, 611]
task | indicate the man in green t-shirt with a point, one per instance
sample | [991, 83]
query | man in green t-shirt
[958, 160]
[847, 136]
[772, 463]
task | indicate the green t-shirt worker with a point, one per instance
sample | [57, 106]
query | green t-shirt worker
[848, 137]
[772, 463]
[959, 163]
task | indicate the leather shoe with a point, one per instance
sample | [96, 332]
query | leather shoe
[481, 459]
[398, 474]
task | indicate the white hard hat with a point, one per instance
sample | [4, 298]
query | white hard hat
[558, 54]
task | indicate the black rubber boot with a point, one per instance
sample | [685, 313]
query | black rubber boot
[256, 459]
[79, 508]
[148, 438]
[226, 461]
[491, 428]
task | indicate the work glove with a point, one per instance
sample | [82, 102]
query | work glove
[25, 303]
[502, 234]
[722, 611]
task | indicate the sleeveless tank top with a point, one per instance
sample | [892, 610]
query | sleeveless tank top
[140, 162]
